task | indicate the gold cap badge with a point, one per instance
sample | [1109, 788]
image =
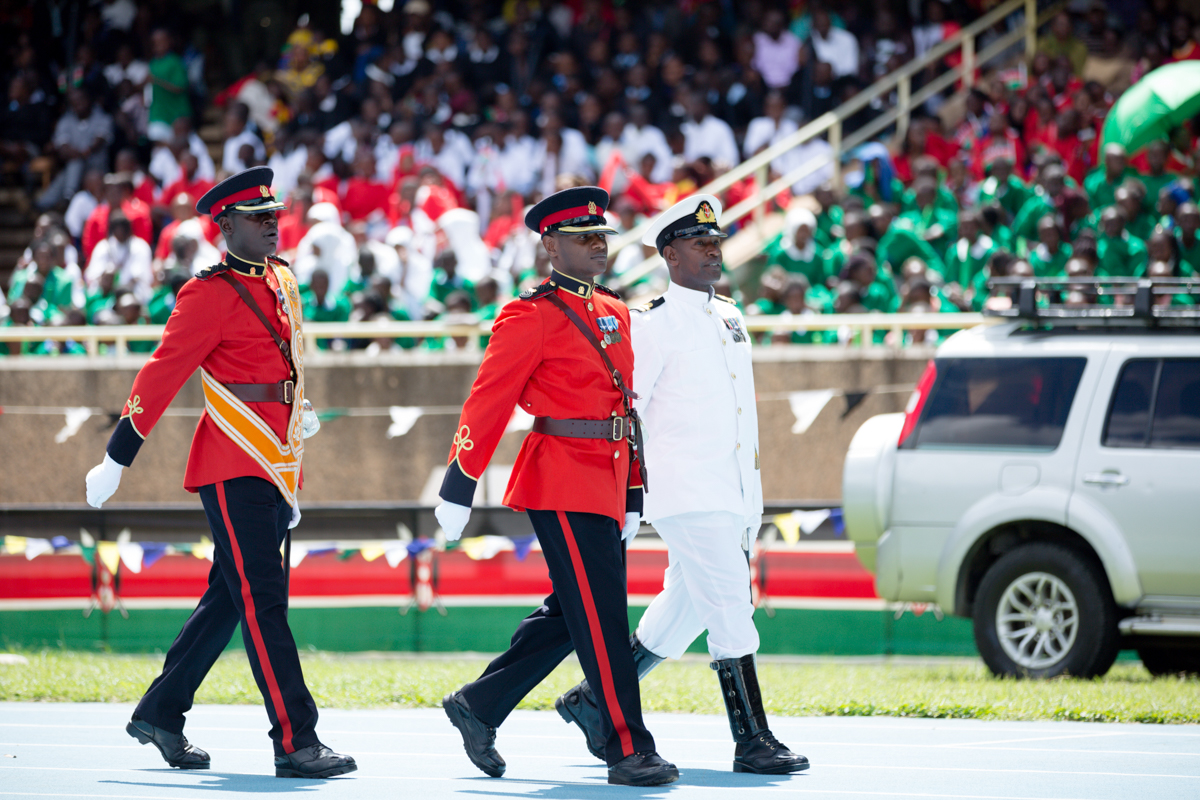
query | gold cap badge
[704, 214]
[592, 207]
[265, 191]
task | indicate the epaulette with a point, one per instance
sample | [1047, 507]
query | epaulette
[602, 289]
[278, 261]
[653, 304]
[541, 290]
[726, 299]
[213, 271]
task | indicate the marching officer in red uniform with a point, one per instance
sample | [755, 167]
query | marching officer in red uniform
[239, 322]
[562, 353]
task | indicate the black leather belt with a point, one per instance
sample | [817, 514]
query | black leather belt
[614, 429]
[281, 392]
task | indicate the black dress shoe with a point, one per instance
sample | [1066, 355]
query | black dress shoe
[643, 769]
[479, 738]
[578, 706]
[175, 748]
[314, 761]
[766, 755]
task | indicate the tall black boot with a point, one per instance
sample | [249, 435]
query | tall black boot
[757, 749]
[578, 705]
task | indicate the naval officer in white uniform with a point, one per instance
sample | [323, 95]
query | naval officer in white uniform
[695, 385]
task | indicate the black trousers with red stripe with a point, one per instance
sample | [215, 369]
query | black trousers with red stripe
[249, 518]
[587, 612]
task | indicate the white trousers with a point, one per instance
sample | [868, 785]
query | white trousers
[706, 587]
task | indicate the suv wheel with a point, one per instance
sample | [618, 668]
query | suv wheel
[1044, 610]
[1170, 658]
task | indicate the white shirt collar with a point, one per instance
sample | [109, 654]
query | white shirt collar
[688, 296]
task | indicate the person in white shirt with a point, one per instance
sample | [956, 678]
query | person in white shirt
[706, 135]
[128, 257]
[448, 150]
[695, 386]
[837, 47]
[84, 202]
[640, 138]
[238, 136]
[518, 157]
[327, 246]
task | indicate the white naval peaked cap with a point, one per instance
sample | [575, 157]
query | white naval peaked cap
[698, 215]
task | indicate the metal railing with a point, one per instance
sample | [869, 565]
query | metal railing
[118, 337]
[830, 124]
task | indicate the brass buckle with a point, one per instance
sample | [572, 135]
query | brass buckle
[618, 428]
[289, 391]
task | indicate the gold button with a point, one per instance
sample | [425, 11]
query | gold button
[589, 306]
[708, 311]
[739, 411]
[617, 454]
[739, 447]
[722, 341]
[604, 344]
[733, 375]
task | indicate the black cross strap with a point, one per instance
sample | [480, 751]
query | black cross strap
[284, 347]
[627, 394]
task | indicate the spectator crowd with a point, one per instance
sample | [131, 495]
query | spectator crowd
[409, 146]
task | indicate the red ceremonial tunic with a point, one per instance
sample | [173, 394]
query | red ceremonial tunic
[212, 327]
[539, 360]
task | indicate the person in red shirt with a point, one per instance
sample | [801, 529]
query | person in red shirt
[245, 463]
[577, 475]
[187, 183]
[183, 208]
[118, 190]
[144, 187]
[365, 195]
[1001, 142]
[294, 223]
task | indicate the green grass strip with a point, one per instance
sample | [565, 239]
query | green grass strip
[959, 689]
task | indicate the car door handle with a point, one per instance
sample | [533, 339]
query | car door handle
[1106, 478]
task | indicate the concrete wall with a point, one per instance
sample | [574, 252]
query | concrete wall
[352, 460]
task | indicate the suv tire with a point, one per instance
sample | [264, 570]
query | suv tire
[1045, 610]
[1170, 658]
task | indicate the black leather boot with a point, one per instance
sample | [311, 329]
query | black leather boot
[479, 738]
[757, 749]
[578, 705]
[642, 769]
[314, 761]
[175, 748]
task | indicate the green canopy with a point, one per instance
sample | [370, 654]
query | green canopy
[1152, 107]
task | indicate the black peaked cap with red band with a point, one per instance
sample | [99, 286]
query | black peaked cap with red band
[573, 211]
[247, 192]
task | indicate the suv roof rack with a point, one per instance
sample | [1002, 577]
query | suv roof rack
[1130, 301]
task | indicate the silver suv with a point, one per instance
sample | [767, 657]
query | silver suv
[1045, 481]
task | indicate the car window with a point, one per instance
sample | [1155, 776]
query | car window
[1128, 422]
[1177, 405]
[1166, 391]
[998, 403]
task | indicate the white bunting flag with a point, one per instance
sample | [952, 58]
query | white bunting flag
[403, 418]
[75, 419]
[806, 406]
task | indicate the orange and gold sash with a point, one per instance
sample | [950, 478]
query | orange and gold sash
[280, 460]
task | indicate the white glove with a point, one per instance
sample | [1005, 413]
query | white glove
[453, 518]
[295, 516]
[102, 481]
[309, 425]
[750, 531]
[633, 521]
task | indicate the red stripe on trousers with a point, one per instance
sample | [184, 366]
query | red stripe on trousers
[589, 606]
[252, 623]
